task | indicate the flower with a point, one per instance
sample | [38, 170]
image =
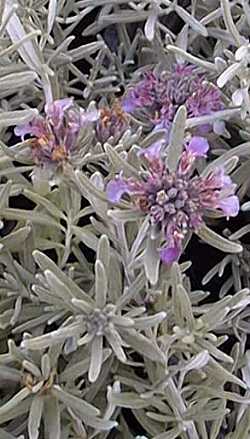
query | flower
[157, 96]
[113, 122]
[176, 202]
[54, 136]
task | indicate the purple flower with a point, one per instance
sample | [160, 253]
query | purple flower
[176, 202]
[113, 122]
[54, 135]
[157, 96]
[116, 188]
[198, 146]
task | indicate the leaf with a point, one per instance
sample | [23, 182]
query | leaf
[35, 416]
[96, 358]
[17, 80]
[14, 401]
[183, 308]
[5, 190]
[115, 342]
[15, 170]
[229, 74]
[47, 204]
[149, 28]
[149, 321]
[243, 426]
[14, 240]
[18, 117]
[176, 139]
[130, 400]
[197, 362]
[124, 215]
[17, 33]
[86, 237]
[191, 58]
[5, 435]
[228, 19]
[77, 369]
[85, 50]
[77, 404]
[46, 366]
[52, 418]
[51, 339]
[141, 235]
[181, 41]
[30, 216]
[46, 263]
[103, 251]
[101, 284]
[189, 19]
[171, 434]
[119, 163]
[151, 260]
[143, 345]
[58, 287]
[86, 187]
[242, 150]
[51, 14]
[217, 241]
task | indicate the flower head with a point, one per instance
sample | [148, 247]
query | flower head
[113, 122]
[159, 95]
[55, 135]
[176, 202]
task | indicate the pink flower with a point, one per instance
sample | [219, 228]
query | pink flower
[176, 202]
[113, 122]
[55, 135]
[157, 96]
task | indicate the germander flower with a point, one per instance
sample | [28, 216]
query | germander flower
[113, 123]
[158, 96]
[54, 136]
[176, 202]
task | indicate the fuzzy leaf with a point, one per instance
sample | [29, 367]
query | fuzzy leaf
[35, 416]
[217, 241]
[119, 163]
[176, 139]
[52, 418]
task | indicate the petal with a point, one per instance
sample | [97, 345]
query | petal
[35, 127]
[219, 180]
[219, 127]
[230, 205]
[129, 104]
[89, 116]
[55, 111]
[58, 106]
[153, 151]
[115, 189]
[198, 146]
[169, 255]
[22, 130]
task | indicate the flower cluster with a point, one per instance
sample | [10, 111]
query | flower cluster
[54, 136]
[176, 202]
[113, 122]
[159, 95]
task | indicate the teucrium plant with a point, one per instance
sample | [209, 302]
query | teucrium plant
[124, 191]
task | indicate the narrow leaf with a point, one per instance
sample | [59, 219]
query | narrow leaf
[218, 241]
[176, 139]
[35, 416]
